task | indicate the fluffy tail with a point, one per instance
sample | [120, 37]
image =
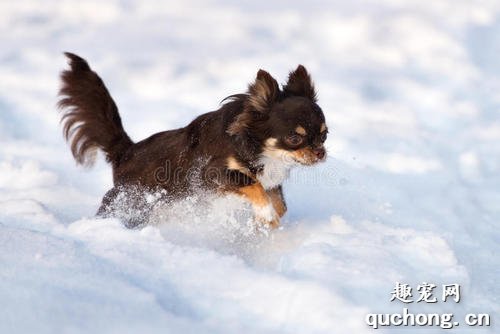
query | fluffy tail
[90, 116]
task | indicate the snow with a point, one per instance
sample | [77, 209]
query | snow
[409, 192]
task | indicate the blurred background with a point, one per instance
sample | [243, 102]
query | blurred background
[410, 90]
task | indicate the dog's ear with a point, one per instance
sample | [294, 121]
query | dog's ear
[300, 84]
[261, 96]
[263, 92]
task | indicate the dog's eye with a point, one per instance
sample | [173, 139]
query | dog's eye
[294, 140]
[323, 136]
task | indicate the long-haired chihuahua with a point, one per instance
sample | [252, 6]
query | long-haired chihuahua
[246, 147]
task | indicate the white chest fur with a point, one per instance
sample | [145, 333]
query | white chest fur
[274, 172]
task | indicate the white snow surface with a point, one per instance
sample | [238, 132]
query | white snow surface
[409, 193]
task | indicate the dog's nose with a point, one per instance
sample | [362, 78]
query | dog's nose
[320, 152]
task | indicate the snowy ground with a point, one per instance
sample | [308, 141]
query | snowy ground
[410, 192]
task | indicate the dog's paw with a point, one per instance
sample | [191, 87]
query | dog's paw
[266, 216]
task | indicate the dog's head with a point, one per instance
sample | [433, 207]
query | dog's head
[287, 123]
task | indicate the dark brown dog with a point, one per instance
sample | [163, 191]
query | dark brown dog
[246, 147]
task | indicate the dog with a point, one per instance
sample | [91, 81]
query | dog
[246, 147]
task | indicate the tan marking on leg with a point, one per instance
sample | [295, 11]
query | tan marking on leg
[300, 130]
[264, 210]
[277, 201]
[256, 194]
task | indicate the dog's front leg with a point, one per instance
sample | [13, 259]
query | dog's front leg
[277, 200]
[262, 204]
